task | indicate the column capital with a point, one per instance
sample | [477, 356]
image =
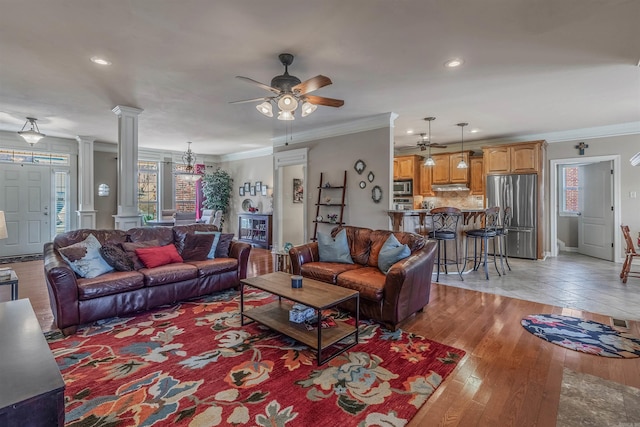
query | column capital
[85, 138]
[122, 110]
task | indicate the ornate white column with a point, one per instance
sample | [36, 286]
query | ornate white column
[128, 215]
[86, 212]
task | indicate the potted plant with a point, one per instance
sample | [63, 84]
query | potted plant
[216, 191]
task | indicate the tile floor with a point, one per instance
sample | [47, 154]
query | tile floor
[569, 280]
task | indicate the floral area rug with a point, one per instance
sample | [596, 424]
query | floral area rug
[194, 364]
[583, 335]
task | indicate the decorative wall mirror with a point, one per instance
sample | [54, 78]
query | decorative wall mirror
[376, 194]
[362, 184]
[370, 176]
[359, 167]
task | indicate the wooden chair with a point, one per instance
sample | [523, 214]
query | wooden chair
[630, 253]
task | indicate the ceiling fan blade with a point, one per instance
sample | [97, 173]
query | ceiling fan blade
[314, 83]
[264, 98]
[257, 83]
[321, 100]
[436, 145]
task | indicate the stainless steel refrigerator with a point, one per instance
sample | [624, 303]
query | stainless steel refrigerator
[519, 192]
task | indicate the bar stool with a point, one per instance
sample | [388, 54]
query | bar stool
[445, 228]
[481, 236]
[502, 232]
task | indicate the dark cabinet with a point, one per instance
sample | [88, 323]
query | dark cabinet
[255, 229]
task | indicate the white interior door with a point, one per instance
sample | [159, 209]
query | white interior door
[25, 199]
[595, 223]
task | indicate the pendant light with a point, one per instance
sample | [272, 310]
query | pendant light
[33, 135]
[429, 161]
[462, 164]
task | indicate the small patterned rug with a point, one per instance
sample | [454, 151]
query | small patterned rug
[583, 335]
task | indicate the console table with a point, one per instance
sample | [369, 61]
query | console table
[32, 391]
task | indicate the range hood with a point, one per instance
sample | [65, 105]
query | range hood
[450, 187]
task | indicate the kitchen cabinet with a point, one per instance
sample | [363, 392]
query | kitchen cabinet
[477, 176]
[446, 169]
[407, 167]
[426, 173]
[440, 171]
[526, 157]
[458, 176]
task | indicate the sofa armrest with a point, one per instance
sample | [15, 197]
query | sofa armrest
[408, 284]
[240, 251]
[303, 254]
[62, 287]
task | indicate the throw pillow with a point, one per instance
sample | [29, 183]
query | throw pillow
[222, 250]
[159, 255]
[391, 252]
[84, 258]
[116, 257]
[334, 250]
[130, 249]
[214, 244]
[197, 246]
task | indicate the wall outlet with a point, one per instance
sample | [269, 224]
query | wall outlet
[632, 194]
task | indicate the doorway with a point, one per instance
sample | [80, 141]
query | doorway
[599, 227]
[26, 203]
[290, 207]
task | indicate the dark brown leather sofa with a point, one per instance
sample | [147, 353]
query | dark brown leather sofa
[75, 300]
[389, 299]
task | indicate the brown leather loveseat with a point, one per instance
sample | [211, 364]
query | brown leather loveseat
[389, 298]
[75, 300]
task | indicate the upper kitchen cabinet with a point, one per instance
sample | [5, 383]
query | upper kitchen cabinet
[458, 175]
[525, 157]
[476, 170]
[440, 171]
[426, 173]
[407, 167]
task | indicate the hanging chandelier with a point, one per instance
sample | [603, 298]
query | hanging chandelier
[429, 161]
[33, 135]
[462, 164]
[189, 159]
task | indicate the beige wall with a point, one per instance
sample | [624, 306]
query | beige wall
[248, 170]
[105, 171]
[625, 146]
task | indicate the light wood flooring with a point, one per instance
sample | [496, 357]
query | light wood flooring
[508, 376]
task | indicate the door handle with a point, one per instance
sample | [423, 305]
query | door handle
[46, 213]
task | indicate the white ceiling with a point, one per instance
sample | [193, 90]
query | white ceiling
[531, 66]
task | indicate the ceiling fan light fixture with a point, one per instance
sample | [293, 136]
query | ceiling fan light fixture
[308, 108]
[265, 108]
[287, 103]
[285, 115]
[33, 135]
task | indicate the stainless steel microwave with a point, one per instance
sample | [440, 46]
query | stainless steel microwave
[403, 188]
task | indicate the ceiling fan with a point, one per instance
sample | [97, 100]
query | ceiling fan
[289, 91]
[424, 143]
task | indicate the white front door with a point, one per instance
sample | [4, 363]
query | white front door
[25, 199]
[595, 223]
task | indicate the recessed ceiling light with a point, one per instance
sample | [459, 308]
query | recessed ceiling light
[474, 130]
[455, 62]
[410, 132]
[100, 61]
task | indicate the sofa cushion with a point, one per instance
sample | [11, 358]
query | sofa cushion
[180, 233]
[392, 251]
[74, 236]
[214, 266]
[116, 257]
[130, 249]
[84, 258]
[169, 273]
[162, 255]
[109, 284]
[369, 281]
[214, 244]
[164, 235]
[332, 249]
[326, 271]
[415, 242]
[197, 246]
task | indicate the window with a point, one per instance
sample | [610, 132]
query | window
[571, 191]
[61, 191]
[148, 189]
[34, 158]
[185, 189]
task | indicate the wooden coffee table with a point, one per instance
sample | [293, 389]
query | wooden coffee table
[317, 295]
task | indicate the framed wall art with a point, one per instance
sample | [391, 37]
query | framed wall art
[258, 186]
[264, 190]
[298, 190]
[241, 191]
[252, 190]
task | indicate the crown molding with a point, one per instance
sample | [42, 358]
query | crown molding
[261, 152]
[354, 126]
